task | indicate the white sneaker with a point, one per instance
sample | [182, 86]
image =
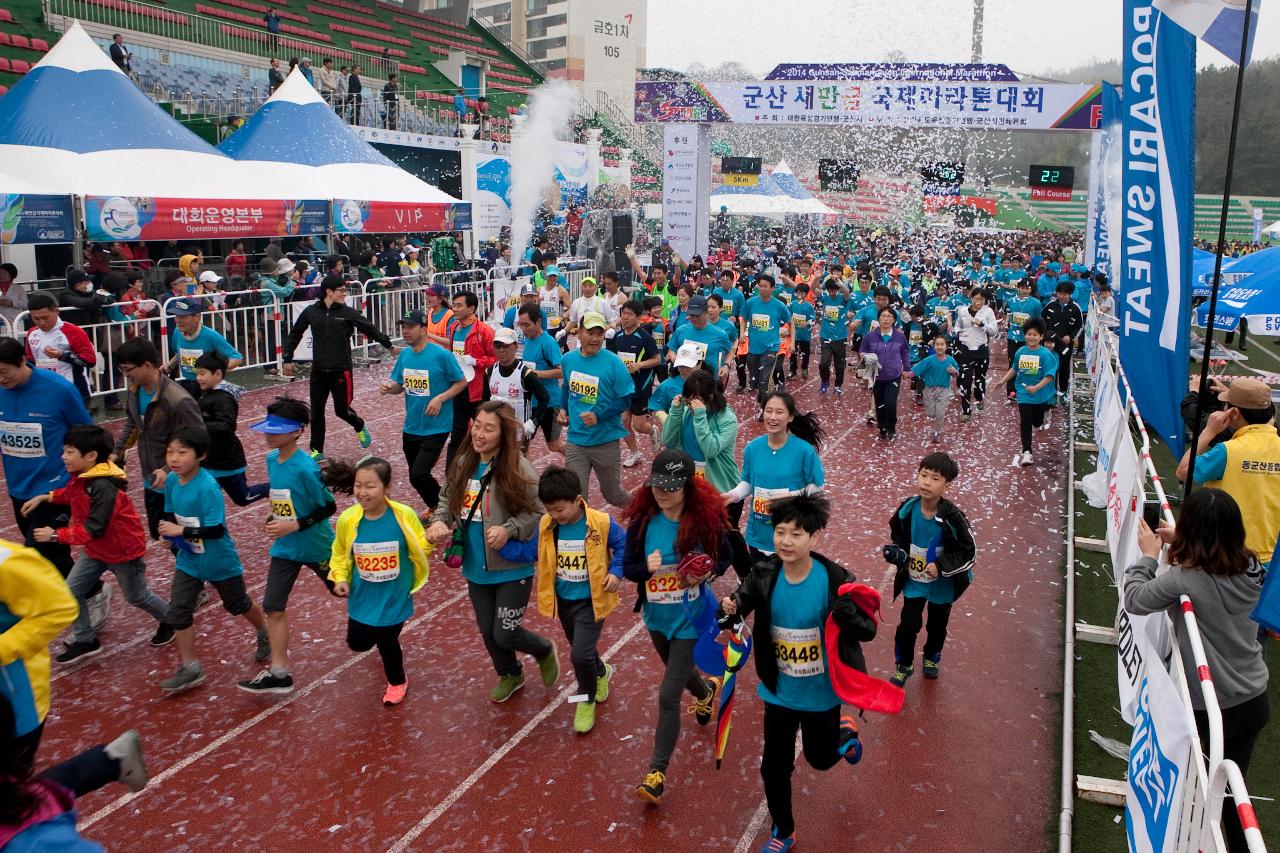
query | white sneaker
[100, 607]
[1026, 459]
[629, 460]
[1048, 421]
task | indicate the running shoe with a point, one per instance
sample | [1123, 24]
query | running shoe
[263, 649]
[850, 744]
[76, 650]
[871, 416]
[966, 417]
[937, 436]
[822, 389]
[901, 674]
[650, 790]
[395, 694]
[602, 684]
[1048, 420]
[702, 709]
[202, 598]
[839, 392]
[188, 675]
[126, 750]
[506, 687]
[163, 635]
[317, 456]
[804, 374]
[890, 436]
[99, 607]
[779, 845]
[630, 460]
[265, 682]
[981, 405]
[549, 666]
[364, 437]
[1026, 459]
[584, 717]
[931, 667]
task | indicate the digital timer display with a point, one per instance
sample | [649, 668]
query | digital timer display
[1058, 177]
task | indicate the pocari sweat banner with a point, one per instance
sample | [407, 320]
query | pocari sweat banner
[1154, 273]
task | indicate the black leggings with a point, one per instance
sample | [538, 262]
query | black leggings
[463, 411]
[1030, 417]
[801, 349]
[1014, 346]
[46, 515]
[904, 639]
[362, 637]
[820, 731]
[885, 394]
[500, 609]
[1241, 725]
[421, 452]
[832, 352]
[973, 374]
[323, 384]
[678, 676]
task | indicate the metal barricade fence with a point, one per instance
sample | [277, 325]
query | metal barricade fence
[504, 287]
[102, 376]
[254, 327]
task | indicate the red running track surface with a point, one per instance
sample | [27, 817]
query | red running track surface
[968, 766]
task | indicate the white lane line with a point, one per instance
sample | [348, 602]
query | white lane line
[500, 753]
[216, 744]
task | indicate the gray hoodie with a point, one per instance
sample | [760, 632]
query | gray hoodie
[1223, 606]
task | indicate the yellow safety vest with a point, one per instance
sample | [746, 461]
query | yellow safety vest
[1252, 477]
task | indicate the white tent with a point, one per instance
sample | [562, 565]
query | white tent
[1273, 229]
[770, 197]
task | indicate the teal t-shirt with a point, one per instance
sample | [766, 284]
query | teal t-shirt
[382, 573]
[425, 375]
[729, 328]
[926, 547]
[572, 581]
[733, 300]
[1212, 464]
[473, 554]
[764, 322]
[296, 492]
[205, 341]
[802, 315]
[939, 309]
[664, 609]
[199, 504]
[599, 384]
[933, 371]
[667, 390]
[712, 343]
[1020, 311]
[542, 353]
[1033, 365]
[834, 311]
[799, 613]
[775, 474]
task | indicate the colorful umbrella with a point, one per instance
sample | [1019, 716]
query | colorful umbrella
[736, 653]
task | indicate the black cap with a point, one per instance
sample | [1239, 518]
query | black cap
[671, 470]
[75, 277]
[414, 318]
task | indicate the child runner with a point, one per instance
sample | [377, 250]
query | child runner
[385, 543]
[935, 564]
[1033, 371]
[196, 523]
[782, 462]
[579, 568]
[104, 523]
[802, 316]
[936, 373]
[219, 402]
[833, 307]
[300, 507]
[1021, 309]
[677, 515]
[791, 595]
[639, 353]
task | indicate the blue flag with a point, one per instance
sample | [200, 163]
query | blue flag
[1220, 23]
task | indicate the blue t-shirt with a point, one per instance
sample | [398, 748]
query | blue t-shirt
[144, 400]
[1020, 311]
[940, 310]
[764, 322]
[205, 341]
[664, 609]
[729, 328]
[1212, 464]
[775, 474]
[802, 316]
[712, 343]
[425, 375]
[296, 492]
[733, 300]
[667, 390]
[572, 579]
[1032, 366]
[473, 553]
[543, 353]
[933, 371]
[599, 384]
[34, 419]
[799, 612]
[199, 504]
[834, 311]
[926, 547]
[382, 573]
[868, 320]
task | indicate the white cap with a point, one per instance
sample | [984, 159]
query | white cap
[210, 275]
[689, 355]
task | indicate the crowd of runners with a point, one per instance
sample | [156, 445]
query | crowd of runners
[638, 369]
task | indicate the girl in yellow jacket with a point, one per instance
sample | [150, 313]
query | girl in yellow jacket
[387, 546]
[579, 569]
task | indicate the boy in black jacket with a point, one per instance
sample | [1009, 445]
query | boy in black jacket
[792, 593]
[219, 402]
[1062, 322]
[934, 551]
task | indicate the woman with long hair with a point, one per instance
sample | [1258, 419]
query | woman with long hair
[702, 424]
[1211, 565]
[782, 462]
[678, 515]
[490, 497]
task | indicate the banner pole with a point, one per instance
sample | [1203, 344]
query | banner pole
[1217, 261]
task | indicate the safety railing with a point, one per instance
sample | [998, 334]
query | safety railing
[248, 319]
[101, 377]
[1228, 776]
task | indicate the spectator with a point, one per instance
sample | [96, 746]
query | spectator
[236, 260]
[272, 22]
[120, 54]
[340, 94]
[1212, 563]
[328, 82]
[305, 65]
[13, 296]
[482, 117]
[275, 77]
[54, 344]
[355, 93]
[460, 105]
[391, 102]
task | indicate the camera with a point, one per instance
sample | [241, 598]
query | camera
[895, 555]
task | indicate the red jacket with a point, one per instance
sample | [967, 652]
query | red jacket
[103, 520]
[478, 345]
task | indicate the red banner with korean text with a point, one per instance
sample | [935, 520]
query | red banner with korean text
[352, 216]
[109, 218]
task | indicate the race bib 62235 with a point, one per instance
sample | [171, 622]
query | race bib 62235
[377, 562]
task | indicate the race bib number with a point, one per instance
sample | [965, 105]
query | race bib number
[571, 560]
[417, 382]
[762, 500]
[916, 336]
[1029, 363]
[585, 387]
[700, 470]
[628, 358]
[760, 322]
[21, 440]
[377, 562]
[1019, 318]
[459, 346]
[701, 348]
[470, 495]
[915, 566]
[831, 313]
[282, 505]
[940, 311]
[799, 651]
[660, 337]
[187, 357]
[663, 587]
[800, 321]
[197, 545]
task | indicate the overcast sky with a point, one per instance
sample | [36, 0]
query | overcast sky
[1027, 35]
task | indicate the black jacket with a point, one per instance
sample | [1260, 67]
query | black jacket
[635, 562]
[220, 408]
[755, 595]
[331, 330]
[1062, 320]
[86, 309]
[958, 550]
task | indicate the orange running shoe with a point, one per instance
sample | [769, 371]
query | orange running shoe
[395, 694]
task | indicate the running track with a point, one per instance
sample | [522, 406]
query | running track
[968, 766]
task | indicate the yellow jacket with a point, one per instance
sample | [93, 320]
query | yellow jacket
[35, 606]
[344, 536]
[1252, 477]
[605, 543]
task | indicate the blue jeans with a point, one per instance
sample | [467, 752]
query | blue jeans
[132, 576]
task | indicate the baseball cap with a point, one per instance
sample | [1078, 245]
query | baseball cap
[504, 336]
[414, 318]
[285, 265]
[671, 470]
[528, 289]
[184, 307]
[689, 355]
[588, 278]
[551, 270]
[697, 306]
[210, 275]
[438, 290]
[593, 320]
[276, 425]
[75, 277]
[1247, 393]
[411, 249]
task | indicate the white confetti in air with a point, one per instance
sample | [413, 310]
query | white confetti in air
[335, 827]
